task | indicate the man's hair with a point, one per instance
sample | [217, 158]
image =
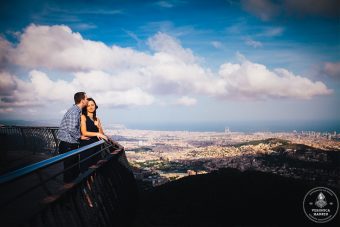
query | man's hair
[78, 97]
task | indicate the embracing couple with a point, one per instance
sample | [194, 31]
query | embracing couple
[79, 127]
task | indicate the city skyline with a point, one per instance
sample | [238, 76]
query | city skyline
[169, 62]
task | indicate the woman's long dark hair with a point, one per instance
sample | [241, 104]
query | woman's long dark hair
[84, 110]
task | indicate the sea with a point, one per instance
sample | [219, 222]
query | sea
[246, 126]
[330, 126]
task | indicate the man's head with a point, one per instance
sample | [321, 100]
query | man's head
[80, 99]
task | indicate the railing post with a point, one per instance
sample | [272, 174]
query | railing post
[55, 140]
[23, 137]
[3, 149]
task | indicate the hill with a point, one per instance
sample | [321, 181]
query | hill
[227, 197]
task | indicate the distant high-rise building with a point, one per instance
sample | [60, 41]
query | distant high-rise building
[226, 130]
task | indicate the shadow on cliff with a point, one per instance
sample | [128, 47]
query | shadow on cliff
[227, 197]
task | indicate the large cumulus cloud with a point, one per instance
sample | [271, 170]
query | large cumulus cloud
[57, 47]
[118, 76]
[255, 80]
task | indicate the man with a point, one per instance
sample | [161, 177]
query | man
[69, 135]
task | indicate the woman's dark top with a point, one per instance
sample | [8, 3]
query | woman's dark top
[90, 127]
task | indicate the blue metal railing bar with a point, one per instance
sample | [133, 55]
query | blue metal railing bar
[43, 181]
[45, 163]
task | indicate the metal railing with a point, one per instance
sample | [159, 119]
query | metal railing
[14, 175]
[103, 194]
[34, 139]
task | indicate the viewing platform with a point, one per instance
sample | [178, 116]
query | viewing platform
[33, 193]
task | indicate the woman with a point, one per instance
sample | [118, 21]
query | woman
[92, 130]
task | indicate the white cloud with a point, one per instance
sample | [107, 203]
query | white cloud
[134, 37]
[64, 11]
[169, 3]
[17, 92]
[41, 90]
[5, 51]
[38, 91]
[186, 101]
[272, 32]
[43, 86]
[132, 97]
[164, 4]
[250, 42]
[57, 47]
[164, 43]
[7, 83]
[84, 26]
[251, 80]
[217, 44]
[117, 77]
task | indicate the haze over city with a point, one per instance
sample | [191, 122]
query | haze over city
[177, 65]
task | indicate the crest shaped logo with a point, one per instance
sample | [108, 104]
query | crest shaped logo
[321, 205]
[321, 200]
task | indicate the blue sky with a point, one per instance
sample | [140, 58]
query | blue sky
[152, 62]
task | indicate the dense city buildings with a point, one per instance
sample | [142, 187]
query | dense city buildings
[161, 156]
